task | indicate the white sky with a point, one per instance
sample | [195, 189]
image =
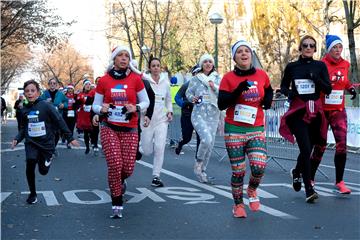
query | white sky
[89, 31]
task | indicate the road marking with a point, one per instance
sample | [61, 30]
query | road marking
[261, 193]
[58, 146]
[263, 208]
[4, 195]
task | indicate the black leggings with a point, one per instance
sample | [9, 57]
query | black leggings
[30, 171]
[187, 131]
[92, 135]
[306, 135]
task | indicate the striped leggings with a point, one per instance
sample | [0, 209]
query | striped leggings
[237, 145]
[120, 151]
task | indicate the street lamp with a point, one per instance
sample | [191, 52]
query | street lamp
[216, 19]
[145, 49]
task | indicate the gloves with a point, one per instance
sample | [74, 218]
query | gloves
[353, 93]
[128, 116]
[243, 86]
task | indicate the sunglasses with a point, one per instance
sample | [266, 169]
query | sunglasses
[305, 45]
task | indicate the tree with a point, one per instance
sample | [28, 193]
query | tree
[13, 60]
[352, 21]
[65, 63]
[24, 23]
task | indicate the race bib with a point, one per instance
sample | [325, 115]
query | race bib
[159, 99]
[244, 113]
[87, 108]
[335, 97]
[305, 86]
[71, 113]
[115, 115]
[206, 98]
[36, 129]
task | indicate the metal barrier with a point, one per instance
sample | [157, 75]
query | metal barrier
[277, 146]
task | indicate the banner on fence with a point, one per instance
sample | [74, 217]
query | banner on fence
[353, 128]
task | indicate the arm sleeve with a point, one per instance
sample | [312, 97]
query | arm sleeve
[324, 82]
[21, 134]
[226, 99]
[168, 100]
[151, 96]
[179, 97]
[143, 99]
[285, 82]
[59, 122]
[97, 104]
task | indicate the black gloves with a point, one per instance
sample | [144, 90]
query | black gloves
[128, 116]
[243, 86]
[353, 93]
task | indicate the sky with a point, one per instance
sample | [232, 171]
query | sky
[89, 31]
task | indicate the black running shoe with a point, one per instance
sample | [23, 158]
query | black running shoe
[178, 150]
[32, 199]
[87, 150]
[296, 180]
[116, 212]
[138, 155]
[156, 182]
[311, 196]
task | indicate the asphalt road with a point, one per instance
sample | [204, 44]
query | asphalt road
[74, 200]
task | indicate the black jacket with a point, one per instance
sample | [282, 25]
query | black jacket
[306, 68]
[37, 112]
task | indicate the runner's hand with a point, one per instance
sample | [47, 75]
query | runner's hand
[95, 120]
[146, 121]
[75, 143]
[13, 144]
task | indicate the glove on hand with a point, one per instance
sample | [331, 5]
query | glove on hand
[243, 86]
[352, 91]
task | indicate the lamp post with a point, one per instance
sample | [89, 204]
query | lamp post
[216, 19]
[145, 49]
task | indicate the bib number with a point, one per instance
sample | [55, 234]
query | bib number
[71, 113]
[335, 97]
[115, 115]
[305, 86]
[206, 98]
[36, 129]
[244, 113]
[87, 108]
[159, 100]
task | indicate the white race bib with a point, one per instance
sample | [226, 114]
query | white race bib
[305, 86]
[71, 113]
[36, 129]
[159, 99]
[115, 115]
[87, 108]
[244, 113]
[335, 97]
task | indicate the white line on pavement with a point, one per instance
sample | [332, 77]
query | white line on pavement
[226, 194]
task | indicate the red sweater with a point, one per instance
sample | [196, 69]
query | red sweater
[338, 75]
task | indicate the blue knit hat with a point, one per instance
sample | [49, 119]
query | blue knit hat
[332, 40]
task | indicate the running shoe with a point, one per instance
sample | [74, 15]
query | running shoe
[123, 187]
[239, 211]
[32, 198]
[156, 182]
[116, 212]
[68, 146]
[138, 155]
[341, 187]
[296, 180]
[178, 150]
[199, 173]
[311, 196]
[87, 150]
[96, 151]
[254, 201]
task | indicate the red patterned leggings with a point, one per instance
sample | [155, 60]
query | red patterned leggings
[120, 151]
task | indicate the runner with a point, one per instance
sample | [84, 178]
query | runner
[69, 114]
[334, 108]
[187, 128]
[245, 92]
[153, 137]
[84, 101]
[203, 93]
[40, 121]
[115, 99]
[305, 118]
